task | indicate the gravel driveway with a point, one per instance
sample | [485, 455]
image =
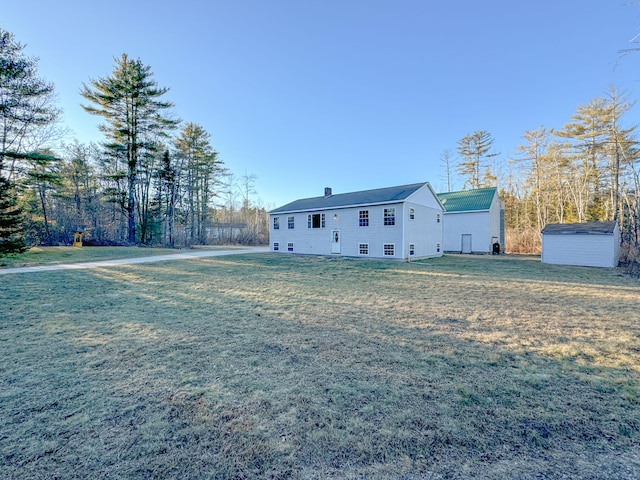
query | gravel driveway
[130, 261]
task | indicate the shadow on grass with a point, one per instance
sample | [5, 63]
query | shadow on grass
[265, 367]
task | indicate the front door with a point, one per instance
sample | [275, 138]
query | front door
[335, 241]
[466, 243]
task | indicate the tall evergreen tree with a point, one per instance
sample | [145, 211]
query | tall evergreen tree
[129, 102]
[42, 178]
[25, 106]
[474, 148]
[587, 134]
[202, 170]
[167, 192]
[11, 231]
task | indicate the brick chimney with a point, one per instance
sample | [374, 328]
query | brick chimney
[327, 192]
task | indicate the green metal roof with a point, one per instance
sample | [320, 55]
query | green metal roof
[467, 200]
[365, 197]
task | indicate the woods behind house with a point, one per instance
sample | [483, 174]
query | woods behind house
[155, 179]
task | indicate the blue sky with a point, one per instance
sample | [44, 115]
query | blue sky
[351, 94]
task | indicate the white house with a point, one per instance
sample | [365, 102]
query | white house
[396, 222]
[595, 244]
[472, 221]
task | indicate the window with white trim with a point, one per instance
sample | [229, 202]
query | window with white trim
[316, 220]
[412, 249]
[363, 248]
[291, 222]
[389, 249]
[276, 246]
[290, 247]
[389, 216]
[276, 223]
[364, 218]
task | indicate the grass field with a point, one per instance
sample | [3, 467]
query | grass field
[275, 366]
[56, 255]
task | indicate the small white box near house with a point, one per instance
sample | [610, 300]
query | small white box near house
[595, 244]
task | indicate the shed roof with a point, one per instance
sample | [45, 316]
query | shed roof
[364, 197]
[591, 228]
[467, 200]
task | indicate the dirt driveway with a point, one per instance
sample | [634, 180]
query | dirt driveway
[130, 261]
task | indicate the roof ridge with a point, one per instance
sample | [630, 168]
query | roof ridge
[372, 196]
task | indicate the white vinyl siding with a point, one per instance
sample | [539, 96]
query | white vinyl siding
[482, 225]
[423, 232]
[581, 249]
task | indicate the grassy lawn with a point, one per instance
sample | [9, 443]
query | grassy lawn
[277, 366]
[56, 255]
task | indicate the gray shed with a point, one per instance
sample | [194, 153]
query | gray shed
[595, 244]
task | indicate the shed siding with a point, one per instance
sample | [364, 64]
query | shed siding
[582, 250]
[495, 230]
[482, 225]
[477, 224]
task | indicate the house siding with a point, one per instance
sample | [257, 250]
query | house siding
[424, 232]
[317, 241]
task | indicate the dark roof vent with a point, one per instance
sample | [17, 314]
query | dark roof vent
[327, 192]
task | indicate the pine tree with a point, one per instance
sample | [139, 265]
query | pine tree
[202, 171]
[11, 232]
[473, 148]
[24, 108]
[129, 101]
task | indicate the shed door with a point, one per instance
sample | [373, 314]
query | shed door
[466, 243]
[335, 241]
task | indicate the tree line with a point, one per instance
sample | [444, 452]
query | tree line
[154, 180]
[588, 170]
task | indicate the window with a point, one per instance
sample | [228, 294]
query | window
[364, 218]
[276, 246]
[412, 214]
[389, 216]
[364, 249]
[389, 249]
[290, 247]
[437, 247]
[437, 218]
[412, 249]
[290, 222]
[276, 223]
[316, 220]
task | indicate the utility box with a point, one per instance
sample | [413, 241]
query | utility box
[77, 239]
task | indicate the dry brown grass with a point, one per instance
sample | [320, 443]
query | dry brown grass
[274, 366]
[57, 255]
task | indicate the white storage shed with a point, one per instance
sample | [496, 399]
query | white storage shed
[472, 221]
[595, 244]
